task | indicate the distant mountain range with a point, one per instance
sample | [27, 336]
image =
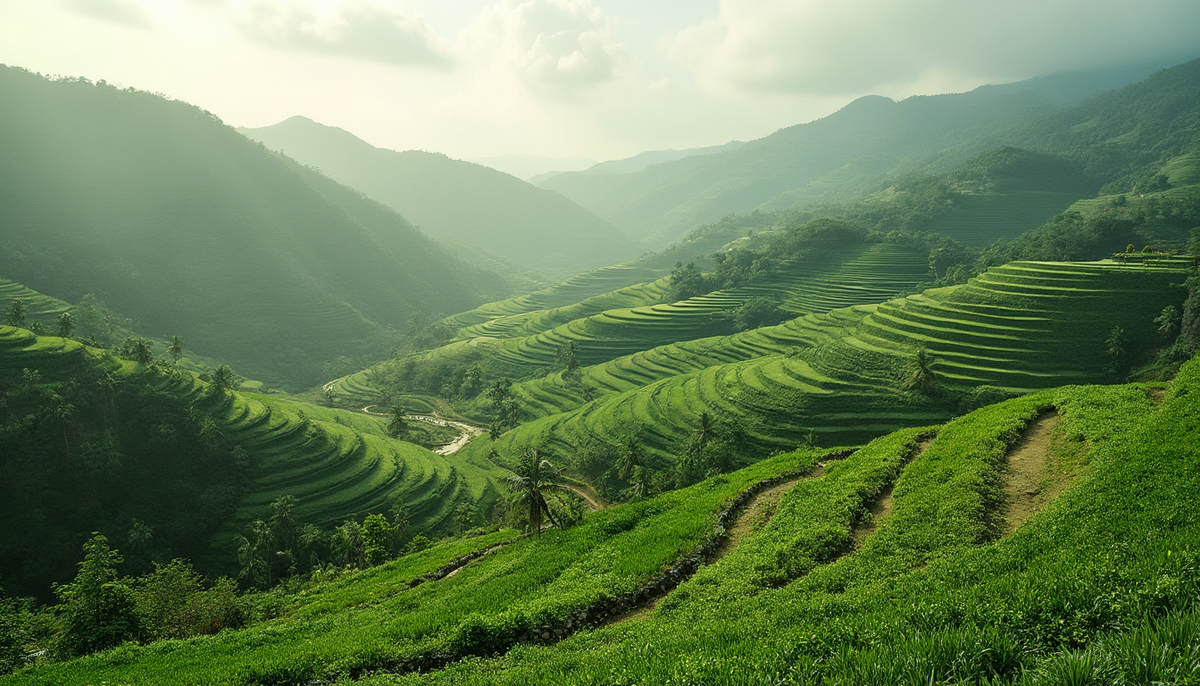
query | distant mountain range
[833, 158]
[458, 201]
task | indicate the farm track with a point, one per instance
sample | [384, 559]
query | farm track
[467, 431]
[1027, 483]
[882, 507]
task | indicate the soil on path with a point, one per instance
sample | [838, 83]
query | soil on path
[1029, 484]
[882, 506]
[467, 431]
[589, 495]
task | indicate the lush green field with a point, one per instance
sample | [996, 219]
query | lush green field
[1019, 327]
[825, 587]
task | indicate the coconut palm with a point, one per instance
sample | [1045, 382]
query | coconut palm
[921, 378]
[531, 481]
[66, 324]
[632, 456]
[1168, 322]
[175, 349]
[397, 421]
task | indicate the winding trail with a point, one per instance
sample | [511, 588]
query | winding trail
[589, 495]
[468, 431]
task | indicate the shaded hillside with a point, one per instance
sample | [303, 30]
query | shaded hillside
[458, 201]
[827, 159]
[91, 442]
[188, 228]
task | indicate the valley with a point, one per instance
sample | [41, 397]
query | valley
[905, 394]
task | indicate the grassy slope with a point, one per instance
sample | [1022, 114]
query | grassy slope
[177, 221]
[1022, 326]
[932, 595]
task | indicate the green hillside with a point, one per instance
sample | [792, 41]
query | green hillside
[921, 557]
[458, 201]
[188, 228]
[92, 442]
[516, 342]
[832, 158]
[842, 375]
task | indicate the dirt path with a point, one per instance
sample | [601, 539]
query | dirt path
[882, 506]
[468, 431]
[1028, 485]
[593, 500]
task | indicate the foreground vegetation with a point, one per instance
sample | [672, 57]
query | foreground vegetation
[935, 591]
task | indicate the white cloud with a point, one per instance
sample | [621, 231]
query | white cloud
[361, 30]
[556, 47]
[125, 12]
[852, 46]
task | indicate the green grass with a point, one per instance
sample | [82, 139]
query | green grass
[1019, 327]
[934, 595]
[518, 588]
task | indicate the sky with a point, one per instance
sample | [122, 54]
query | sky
[595, 79]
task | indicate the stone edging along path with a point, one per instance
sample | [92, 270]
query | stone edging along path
[604, 612]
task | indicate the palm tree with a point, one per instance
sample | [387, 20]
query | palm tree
[16, 312]
[532, 479]
[632, 456]
[1168, 322]
[706, 426]
[175, 349]
[921, 378]
[397, 421]
[66, 324]
[61, 413]
[142, 350]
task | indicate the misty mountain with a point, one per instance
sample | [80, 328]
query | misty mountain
[187, 227]
[458, 201]
[827, 159]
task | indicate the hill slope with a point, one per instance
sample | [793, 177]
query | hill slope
[905, 561]
[187, 227]
[844, 153]
[91, 442]
[458, 201]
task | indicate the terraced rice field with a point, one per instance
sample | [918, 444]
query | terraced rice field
[338, 464]
[1019, 327]
[578, 288]
[877, 273]
[42, 308]
[981, 219]
[341, 465]
[631, 320]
